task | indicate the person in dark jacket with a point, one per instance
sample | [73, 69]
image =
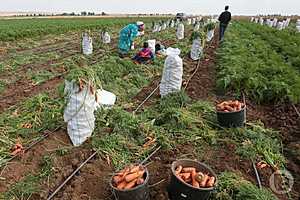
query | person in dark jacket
[224, 20]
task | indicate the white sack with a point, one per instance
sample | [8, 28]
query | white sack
[79, 112]
[105, 99]
[197, 50]
[210, 35]
[172, 73]
[180, 31]
[197, 27]
[87, 44]
[106, 38]
[151, 44]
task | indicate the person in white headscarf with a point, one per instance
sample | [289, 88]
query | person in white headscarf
[127, 36]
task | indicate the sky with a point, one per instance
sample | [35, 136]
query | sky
[237, 7]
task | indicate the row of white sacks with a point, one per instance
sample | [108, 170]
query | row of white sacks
[280, 25]
[180, 32]
[87, 42]
[171, 24]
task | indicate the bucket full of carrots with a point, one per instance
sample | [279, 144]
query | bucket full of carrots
[231, 113]
[131, 183]
[191, 180]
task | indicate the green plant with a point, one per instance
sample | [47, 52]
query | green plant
[247, 63]
[234, 187]
[256, 142]
[209, 26]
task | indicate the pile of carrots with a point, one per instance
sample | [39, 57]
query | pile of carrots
[129, 177]
[230, 106]
[196, 179]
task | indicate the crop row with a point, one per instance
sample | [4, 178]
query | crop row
[11, 30]
[248, 63]
[285, 42]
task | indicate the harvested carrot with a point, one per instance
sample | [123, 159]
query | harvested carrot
[210, 182]
[15, 152]
[121, 185]
[194, 181]
[18, 148]
[131, 184]
[188, 169]
[204, 180]
[131, 177]
[186, 176]
[230, 106]
[118, 179]
[140, 181]
[178, 169]
[135, 169]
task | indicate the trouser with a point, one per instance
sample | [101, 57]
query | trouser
[222, 31]
[141, 59]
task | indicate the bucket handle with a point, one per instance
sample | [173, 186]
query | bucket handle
[114, 194]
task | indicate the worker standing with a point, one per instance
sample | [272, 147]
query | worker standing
[127, 36]
[224, 20]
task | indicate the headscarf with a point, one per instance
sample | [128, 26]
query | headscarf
[140, 24]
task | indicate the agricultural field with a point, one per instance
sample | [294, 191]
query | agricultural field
[255, 63]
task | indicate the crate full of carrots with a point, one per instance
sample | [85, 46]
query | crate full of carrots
[230, 106]
[194, 178]
[130, 177]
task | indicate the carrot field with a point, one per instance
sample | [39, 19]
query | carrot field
[256, 64]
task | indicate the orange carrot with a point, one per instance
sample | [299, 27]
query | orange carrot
[131, 184]
[16, 151]
[117, 179]
[229, 108]
[194, 181]
[186, 176]
[135, 169]
[210, 182]
[189, 169]
[204, 180]
[121, 185]
[131, 177]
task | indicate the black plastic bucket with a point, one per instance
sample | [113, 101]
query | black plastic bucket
[141, 192]
[179, 190]
[232, 119]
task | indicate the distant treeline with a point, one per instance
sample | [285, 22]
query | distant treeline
[83, 13]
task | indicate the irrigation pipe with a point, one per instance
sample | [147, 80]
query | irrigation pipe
[155, 184]
[196, 70]
[148, 157]
[256, 174]
[197, 67]
[71, 176]
[146, 99]
[298, 113]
